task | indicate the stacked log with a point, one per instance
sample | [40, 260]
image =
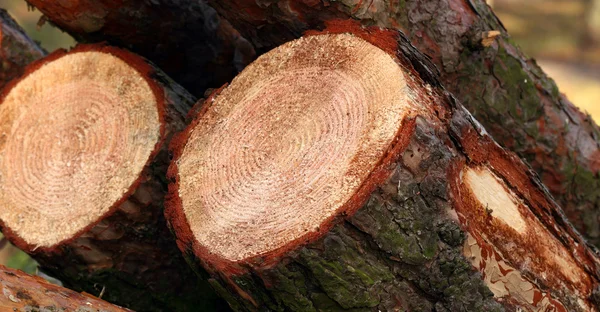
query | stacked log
[82, 159]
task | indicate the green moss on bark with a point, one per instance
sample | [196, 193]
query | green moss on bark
[399, 251]
[16, 49]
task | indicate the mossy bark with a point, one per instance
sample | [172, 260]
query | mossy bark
[16, 49]
[185, 38]
[504, 89]
[22, 292]
[129, 256]
[405, 248]
[400, 252]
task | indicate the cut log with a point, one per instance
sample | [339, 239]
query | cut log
[16, 49]
[336, 174]
[505, 90]
[23, 292]
[183, 38]
[82, 164]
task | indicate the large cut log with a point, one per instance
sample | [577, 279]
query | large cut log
[23, 292]
[16, 49]
[505, 90]
[335, 173]
[184, 38]
[82, 176]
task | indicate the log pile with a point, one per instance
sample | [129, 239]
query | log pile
[339, 171]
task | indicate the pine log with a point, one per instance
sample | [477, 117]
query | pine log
[335, 173]
[83, 158]
[16, 49]
[506, 91]
[23, 292]
[182, 37]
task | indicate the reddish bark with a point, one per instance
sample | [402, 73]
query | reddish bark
[23, 292]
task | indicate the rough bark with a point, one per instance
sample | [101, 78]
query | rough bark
[418, 239]
[16, 49]
[128, 255]
[185, 38]
[507, 91]
[520, 106]
[23, 292]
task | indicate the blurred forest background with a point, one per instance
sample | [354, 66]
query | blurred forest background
[562, 35]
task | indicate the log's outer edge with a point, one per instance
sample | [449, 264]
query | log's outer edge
[16, 49]
[145, 70]
[252, 284]
[26, 291]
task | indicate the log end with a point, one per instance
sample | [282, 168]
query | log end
[287, 147]
[76, 132]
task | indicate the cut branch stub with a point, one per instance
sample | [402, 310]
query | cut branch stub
[82, 156]
[335, 173]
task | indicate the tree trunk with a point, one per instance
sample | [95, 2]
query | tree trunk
[506, 91]
[16, 49]
[343, 177]
[22, 292]
[82, 160]
[187, 39]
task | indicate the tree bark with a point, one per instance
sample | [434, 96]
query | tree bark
[447, 220]
[187, 39]
[508, 92]
[16, 49]
[22, 292]
[505, 90]
[591, 31]
[123, 251]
